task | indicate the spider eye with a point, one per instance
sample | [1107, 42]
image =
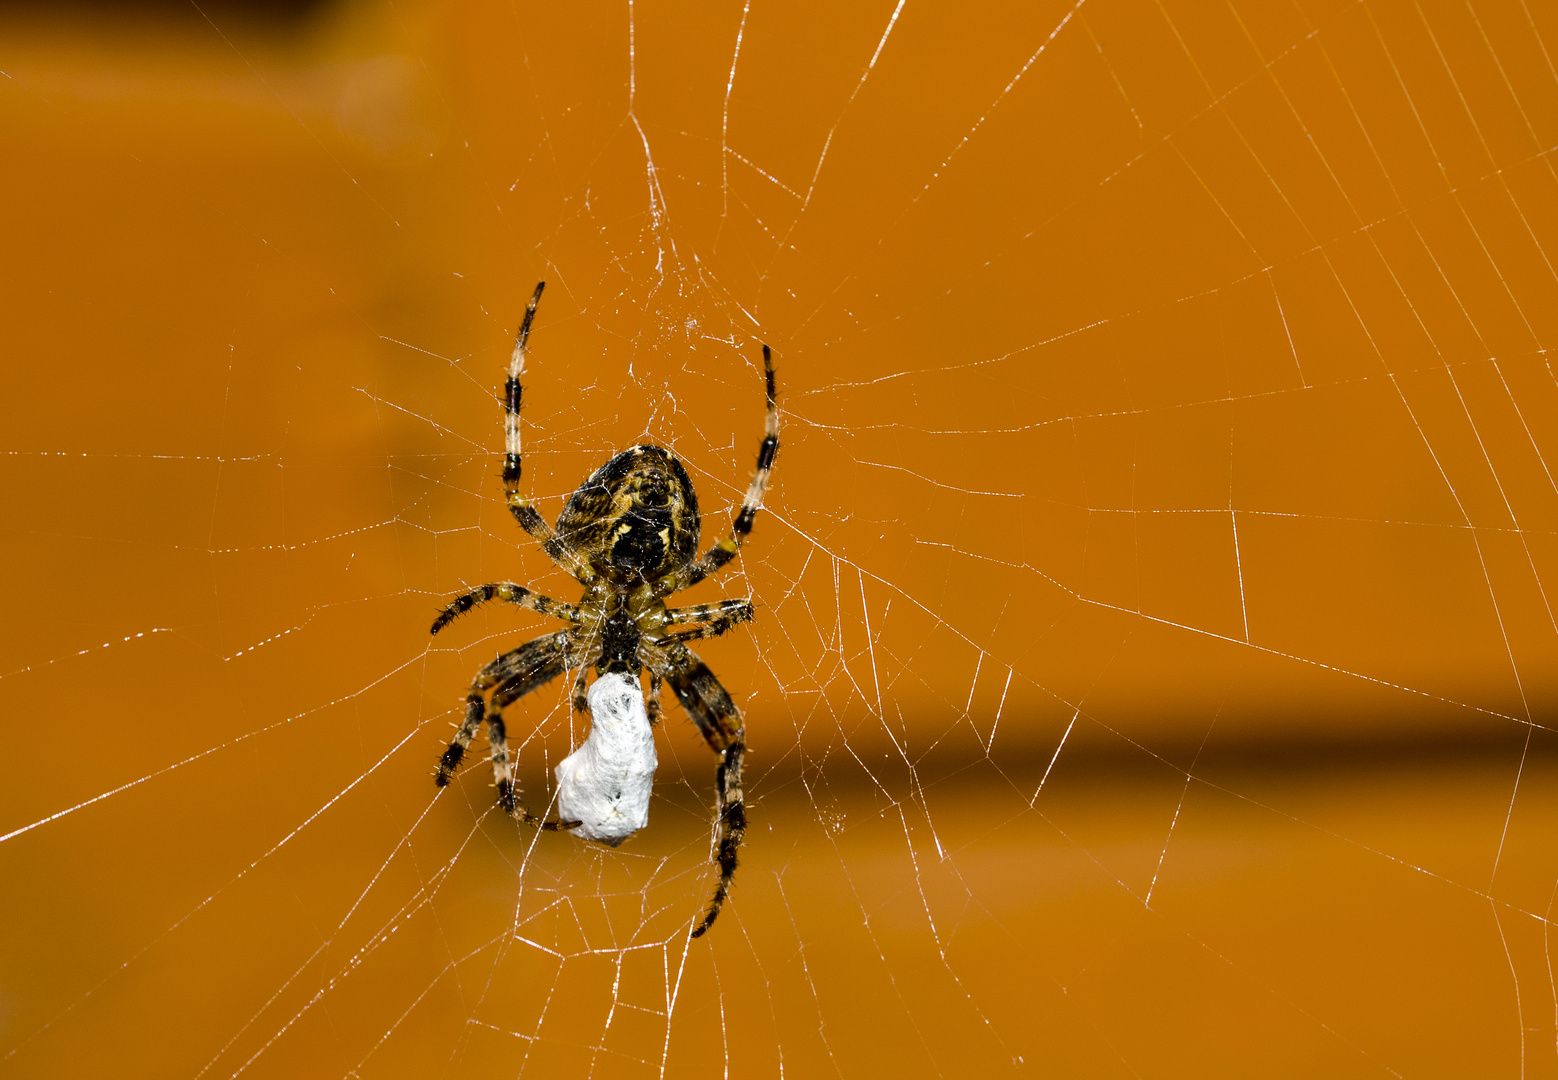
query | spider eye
[654, 494]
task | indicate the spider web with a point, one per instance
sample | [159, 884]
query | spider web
[1155, 656]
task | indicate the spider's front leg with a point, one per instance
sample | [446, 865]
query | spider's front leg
[519, 504]
[721, 553]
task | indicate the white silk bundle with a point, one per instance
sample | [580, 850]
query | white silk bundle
[605, 784]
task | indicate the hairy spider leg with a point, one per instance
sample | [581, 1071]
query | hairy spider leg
[510, 593]
[519, 504]
[719, 721]
[503, 777]
[475, 713]
[709, 620]
[509, 677]
[732, 825]
[517, 662]
[581, 698]
[652, 700]
[504, 695]
[721, 553]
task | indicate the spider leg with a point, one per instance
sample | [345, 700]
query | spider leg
[721, 553]
[732, 825]
[719, 721]
[700, 693]
[506, 693]
[581, 699]
[475, 712]
[508, 792]
[652, 702]
[709, 620]
[508, 592]
[529, 657]
[513, 675]
[519, 503]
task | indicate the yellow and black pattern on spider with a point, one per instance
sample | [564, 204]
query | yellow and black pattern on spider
[629, 535]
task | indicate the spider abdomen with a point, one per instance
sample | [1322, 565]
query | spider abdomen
[636, 518]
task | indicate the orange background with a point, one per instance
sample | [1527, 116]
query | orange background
[1154, 666]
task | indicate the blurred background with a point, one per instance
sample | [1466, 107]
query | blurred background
[1154, 671]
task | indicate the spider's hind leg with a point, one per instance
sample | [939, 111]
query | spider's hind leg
[497, 738]
[652, 701]
[475, 712]
[719, 721]
[509, 677]
[508, 791]
[732, 825]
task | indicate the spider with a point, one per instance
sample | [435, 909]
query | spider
[629, 534]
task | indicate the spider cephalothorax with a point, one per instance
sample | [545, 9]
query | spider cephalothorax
[629, 535]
